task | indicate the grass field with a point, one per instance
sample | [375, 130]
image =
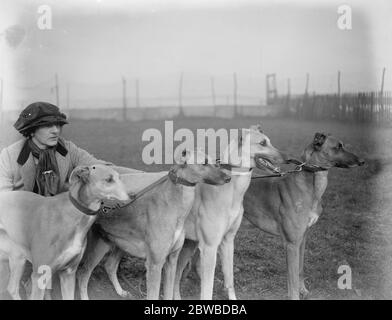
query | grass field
[354, 228]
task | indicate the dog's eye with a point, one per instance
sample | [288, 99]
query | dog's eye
[263, 143]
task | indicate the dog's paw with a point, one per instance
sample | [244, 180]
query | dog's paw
[126, 294]
[303, 292]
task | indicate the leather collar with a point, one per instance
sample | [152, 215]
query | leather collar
[82, 208]
[178, 180]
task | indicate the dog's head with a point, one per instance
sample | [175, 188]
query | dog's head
[102, 181]
[195, 166]
[258, 151]
[327, 151]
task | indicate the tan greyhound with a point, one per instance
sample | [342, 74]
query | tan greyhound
[288, 206]
[217, 212]
[152, 227]
[50, 232]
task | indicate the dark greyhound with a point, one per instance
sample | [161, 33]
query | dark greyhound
[288, 206]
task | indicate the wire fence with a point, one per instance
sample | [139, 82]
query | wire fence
[370, 107]
[195, 95]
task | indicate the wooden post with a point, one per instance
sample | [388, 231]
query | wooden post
[382, 80]
[124, 96]
[305, 105]
[343, 108]
[137, 94]
[213, 91]
[180, 94]
[235, 93]
[339, 83]
[288, 96]
[307, 84]
[271, 90]
[267, 89]
[288, 87]
[68, 107]
[382, 93]
[56, 87]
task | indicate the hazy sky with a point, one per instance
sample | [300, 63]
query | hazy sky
[94, 43]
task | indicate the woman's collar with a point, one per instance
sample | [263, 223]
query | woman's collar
[26, 150]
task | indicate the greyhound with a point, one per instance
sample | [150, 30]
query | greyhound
[152, 227]
[50, 232]
[217, 212]
[289, 206]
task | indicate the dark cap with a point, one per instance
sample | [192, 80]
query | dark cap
[39, 114]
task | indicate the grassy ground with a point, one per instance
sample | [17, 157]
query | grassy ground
[354, 228]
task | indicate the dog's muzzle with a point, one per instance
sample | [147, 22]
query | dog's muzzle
[263, 163]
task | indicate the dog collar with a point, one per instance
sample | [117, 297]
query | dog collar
[105, 207]
[82, 208]
[178, 180]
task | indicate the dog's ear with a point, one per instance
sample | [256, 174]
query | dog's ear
[81, 173]
[257, 127]
[318, 140]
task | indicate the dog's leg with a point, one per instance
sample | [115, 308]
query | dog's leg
[4, 275]
[95, 251]
[302, 287]
[292, 256]
[67, 281]
[184, 258]
[170, 269]
[207, 272]
[37, 291]
[170, 274]
[17, 266]
[227, 255]
[111, 267]
[154, 274]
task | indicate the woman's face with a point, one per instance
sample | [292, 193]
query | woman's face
[47, 136]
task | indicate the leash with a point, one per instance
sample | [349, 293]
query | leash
[300, 166]
[109, 205]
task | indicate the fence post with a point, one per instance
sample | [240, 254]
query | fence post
[288, 96]
[56, 86]
[235, 94]
[67, 102]
[213, 94]
[124, 96]
[382, 91]
[180, 94]
[137, 93]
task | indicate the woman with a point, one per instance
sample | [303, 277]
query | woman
[42, 161]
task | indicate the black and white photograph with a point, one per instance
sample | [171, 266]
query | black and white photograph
[195, 150]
